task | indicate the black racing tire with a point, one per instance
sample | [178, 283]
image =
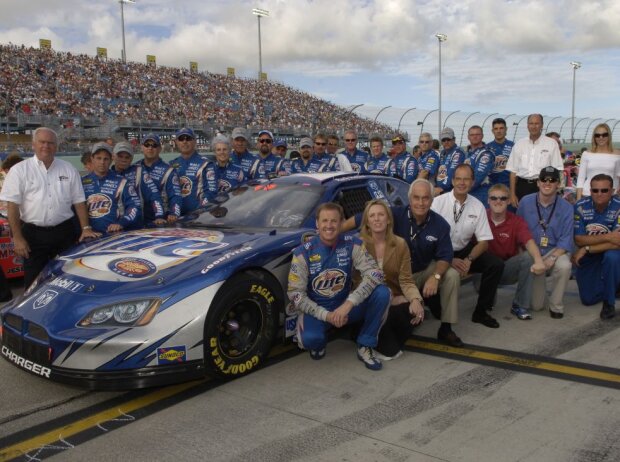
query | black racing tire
[242, 324]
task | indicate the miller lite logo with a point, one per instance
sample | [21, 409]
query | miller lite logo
[355, 167]
[186, 186]
[596, 228]
[224, 185]
[500, 164]
[99, 205]
[442, 173]
[329, 283]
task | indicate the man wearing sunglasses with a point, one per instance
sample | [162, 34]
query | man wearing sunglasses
[240, 155]
[450, 157]
[399, 153]
[306, 162]
[550, 220]
[197, 175]
[320, 152]
[510, 236]
[270, 166]
[428, 161]
[356, 157]
[597, 233]
[164, 176]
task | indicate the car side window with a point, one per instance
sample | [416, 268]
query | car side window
[353, 200]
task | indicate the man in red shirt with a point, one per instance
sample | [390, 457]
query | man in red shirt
[510, 236]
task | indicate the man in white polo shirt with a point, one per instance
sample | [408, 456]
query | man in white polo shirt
[467, 218]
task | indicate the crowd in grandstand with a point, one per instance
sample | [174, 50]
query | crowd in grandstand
[67, 85]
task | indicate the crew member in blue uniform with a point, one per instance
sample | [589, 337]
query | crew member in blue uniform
[319, 287]
[196, 174]
[229, 175]
[307, 162]
[378, 162]
[164, 177]
[399, 153]
[320, 152]
[450, 157]
[428, 160]
[482, 161]
[356, 157]
[501, 147]
[597, 233]
[113, 204]
[270, 165]
[240, 155]
[147, 190]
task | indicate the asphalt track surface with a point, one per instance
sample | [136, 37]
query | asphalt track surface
[534, 390]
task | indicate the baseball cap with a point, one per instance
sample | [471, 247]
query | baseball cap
[549, 172]
[152, 137]
[101, 147]
[447, 133]
[305, 142]
[280, 143]
[185, 131]
[398, 138]
[266, 132]
[239, 132]
[123, 146]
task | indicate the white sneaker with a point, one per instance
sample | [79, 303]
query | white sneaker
[387, 358]
[367, 356]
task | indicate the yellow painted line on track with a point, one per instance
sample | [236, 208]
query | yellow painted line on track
[516, 361]
[73, 428]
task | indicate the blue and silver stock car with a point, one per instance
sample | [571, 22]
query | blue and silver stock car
[164, 305]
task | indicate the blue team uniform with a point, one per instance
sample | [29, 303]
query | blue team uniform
[229, 176]
[271, 165]
[410, 169]
[250, 164]
[482, 161]
[167, 181]
[111, 199]
[448, 161]
[148, 192]
[598, 274]
[198, 181]
[429, 161]
[502, 154]
[398, 161]
[331, 162]
[314, 165]
[357, 160]
[383, 165]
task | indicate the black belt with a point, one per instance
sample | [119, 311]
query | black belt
[48, 228]
[526, 180]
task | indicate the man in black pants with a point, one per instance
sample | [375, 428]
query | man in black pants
[40, 193]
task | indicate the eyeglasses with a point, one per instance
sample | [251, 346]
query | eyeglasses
[398, 142]
[185, 138]
[601, 190]
[320, 144]
[150, 145]
[265, 140]
[601, 135]
[443, 140]
[351, 140]
[498, 198]
[424, 141]
[549, 180]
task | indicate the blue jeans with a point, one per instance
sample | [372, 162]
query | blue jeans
[598, 276]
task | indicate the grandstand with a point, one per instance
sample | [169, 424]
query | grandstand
[89, 98]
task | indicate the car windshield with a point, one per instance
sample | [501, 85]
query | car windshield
[267, 205]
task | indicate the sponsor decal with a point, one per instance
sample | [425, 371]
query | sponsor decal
[596, 228]
[44, 299]
[431, 238]
[292, 277]
[290, 326]
[68, 284]
[99, 205]
[224, 257]
[442, 173]
[263, 291]
[314, 258]
[171, 355]
[504, 235]
[230, 369]
[26, 363]
[305, 237]
[500, 163]
[186, 186]
[132, 267]
[329, 282]
[224, 185]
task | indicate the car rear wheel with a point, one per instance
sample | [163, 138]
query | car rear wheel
[242, 324]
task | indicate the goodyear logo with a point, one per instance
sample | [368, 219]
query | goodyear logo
[99, 205]
[171, 355]
[329, 283]
[186, 186]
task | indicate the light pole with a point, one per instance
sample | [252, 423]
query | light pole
[446, 119]
[576, 65]
[464, 123]
[424, 120]
[374, 122]
[401, 118]
[122, 2]
[549, 123]
[440, 38]
[260, 13]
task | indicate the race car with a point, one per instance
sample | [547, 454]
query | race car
[164, 305]
[11, 264]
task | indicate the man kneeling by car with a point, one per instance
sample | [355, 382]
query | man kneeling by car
[319, 287]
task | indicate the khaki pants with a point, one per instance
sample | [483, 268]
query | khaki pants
[559, 277]
[448, 290]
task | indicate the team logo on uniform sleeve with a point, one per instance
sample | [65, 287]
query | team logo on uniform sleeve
[186, 186]
[329, 282]
[99, 205]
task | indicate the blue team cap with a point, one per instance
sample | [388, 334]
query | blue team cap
[280, 143]
[152, 137]
[185, 131]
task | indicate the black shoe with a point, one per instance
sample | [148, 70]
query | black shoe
[450, 339]
[608, 311]
[485, 319]
[556, 314]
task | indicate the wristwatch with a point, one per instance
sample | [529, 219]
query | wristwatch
[437, 276]
[84, 228]
[587, 247]
[469, 257]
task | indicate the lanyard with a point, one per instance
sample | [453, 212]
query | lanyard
[413, 234]
[457, 215]
[545, 224]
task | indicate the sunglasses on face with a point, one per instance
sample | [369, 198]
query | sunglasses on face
[423, 142]
[601, 135]
[443, 140]
[150, 145]
[399, 141]
[498, 198]
[351, 140]
[320, 144]
[601, 190]
[549, 180]
[184, 138]
[264, 140]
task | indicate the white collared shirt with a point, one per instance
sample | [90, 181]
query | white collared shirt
[529, 157]
[44, 196]
[471, 221]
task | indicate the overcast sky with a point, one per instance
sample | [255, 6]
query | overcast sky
[501, 56]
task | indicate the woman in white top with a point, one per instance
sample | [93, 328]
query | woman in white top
[601, 158]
